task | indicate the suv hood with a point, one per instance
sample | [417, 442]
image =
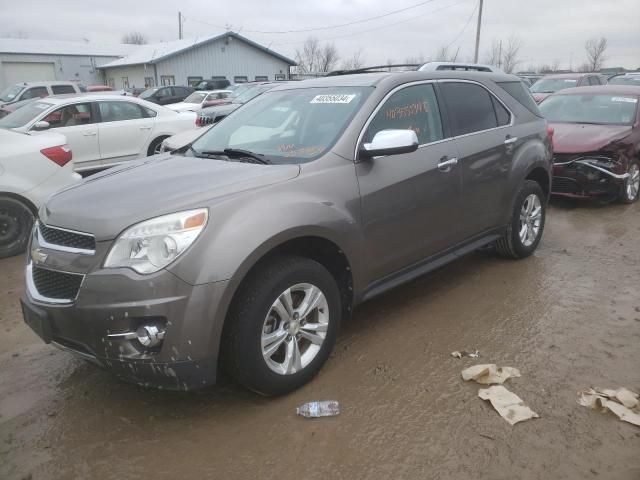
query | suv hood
[107, 203]
[580, 137]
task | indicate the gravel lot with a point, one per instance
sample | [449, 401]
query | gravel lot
[568, 318]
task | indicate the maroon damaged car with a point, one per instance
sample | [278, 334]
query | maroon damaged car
[596, 141]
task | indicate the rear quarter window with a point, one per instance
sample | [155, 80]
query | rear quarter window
[521, 94]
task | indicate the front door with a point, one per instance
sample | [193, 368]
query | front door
[410, 204]
[481, 126]
[77, 122]
[124, 128]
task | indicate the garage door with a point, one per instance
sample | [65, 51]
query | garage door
[18, 72]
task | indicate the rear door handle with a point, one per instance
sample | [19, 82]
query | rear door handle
[146, 128]
[510, 140]
[446, 164]
[89, 134]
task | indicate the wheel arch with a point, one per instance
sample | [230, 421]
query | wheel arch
[21, 199]
[541, 176]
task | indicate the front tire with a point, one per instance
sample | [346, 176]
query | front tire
[282, 325]
[16, 222]
[525, 229]
[631, 188]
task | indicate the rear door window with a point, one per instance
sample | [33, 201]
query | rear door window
[62, 89]
[412, 108]
[470, 107]
[35, 92]
[120, 111]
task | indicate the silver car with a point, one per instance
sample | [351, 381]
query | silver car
[248, 248]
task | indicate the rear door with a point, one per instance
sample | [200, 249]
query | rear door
[481, 125]
[410, 204]
[124, 129]
[78, 123]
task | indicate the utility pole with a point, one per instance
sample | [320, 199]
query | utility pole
[180, 25]
[500, 55]
[475, 57]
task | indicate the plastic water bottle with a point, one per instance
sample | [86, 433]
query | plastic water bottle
[325, 408]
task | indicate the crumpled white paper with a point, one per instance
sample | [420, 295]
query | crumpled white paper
[464, 353]
[507, 404]
[624, 403]
[489, 374]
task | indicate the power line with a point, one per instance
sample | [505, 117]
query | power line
[465, 25]
[377, 28]
[328, 27]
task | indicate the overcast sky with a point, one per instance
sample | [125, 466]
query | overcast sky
[550, 29]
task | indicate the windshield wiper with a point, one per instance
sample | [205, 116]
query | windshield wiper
[259, 157]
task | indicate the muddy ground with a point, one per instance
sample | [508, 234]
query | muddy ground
[568, 318]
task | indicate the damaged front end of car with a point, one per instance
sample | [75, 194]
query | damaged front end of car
[589, 174]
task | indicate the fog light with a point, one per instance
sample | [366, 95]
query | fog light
[150, 336]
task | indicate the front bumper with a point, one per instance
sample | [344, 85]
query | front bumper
[582, 178]
[111, 302]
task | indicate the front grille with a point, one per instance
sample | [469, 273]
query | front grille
[65, 238]
[565, 185]
[56, 285]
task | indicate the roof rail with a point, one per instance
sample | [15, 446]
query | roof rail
[377, 68]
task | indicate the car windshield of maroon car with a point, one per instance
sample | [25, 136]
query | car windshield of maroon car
[589, 108]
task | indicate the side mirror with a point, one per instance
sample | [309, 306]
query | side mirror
[390, 142]
[41, 125]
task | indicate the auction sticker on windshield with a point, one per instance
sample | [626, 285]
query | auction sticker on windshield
[332, 98]
[624, 99]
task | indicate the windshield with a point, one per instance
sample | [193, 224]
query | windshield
[195, 97]
[625, 80]
[550, 85]
[289, 126]
[590, 108]
[253, 92]
[148, 93]
[10, 93]
[24, 115]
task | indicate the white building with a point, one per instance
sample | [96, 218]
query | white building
[24, 60]
[188, 61]
[178, 62]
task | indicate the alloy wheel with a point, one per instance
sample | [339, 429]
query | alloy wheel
[295, 328]
[633, 182]
[530, 220]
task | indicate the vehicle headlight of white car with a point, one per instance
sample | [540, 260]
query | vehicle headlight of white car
[149, 246]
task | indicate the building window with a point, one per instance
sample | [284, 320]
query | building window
[193, 81]
[240, 79]
[125, 82]
[262, 78]
[167, 80]
[111, 82]
[148, 82]
[281, 76]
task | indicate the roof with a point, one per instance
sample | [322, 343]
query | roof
[89, 97]
[569, 75]
[53, 47]
[153, 53]
[601, 89]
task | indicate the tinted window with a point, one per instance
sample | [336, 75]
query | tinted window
[35, 92]
[70, 116]
[61, 89]
[119, 111]
[521, 94]
[469, 106]
[502, 114]
[412, 108]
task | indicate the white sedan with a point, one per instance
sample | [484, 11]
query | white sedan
[201, 99]
[31, 169]
[102, 130]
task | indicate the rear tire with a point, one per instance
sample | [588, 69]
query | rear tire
[154, 147]
[631, 188]
[525, 229]
[16, 222]
[267, 348]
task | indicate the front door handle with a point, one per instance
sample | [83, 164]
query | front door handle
[446, 164]
[510, 140]
[146, 128]
[89, 134]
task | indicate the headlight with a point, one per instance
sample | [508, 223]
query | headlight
[153, 244]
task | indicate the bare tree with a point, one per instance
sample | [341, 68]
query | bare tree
[18, 34]
[595, 53]
[444, 55]
[555, 66]
[420, 59]
[510, 54]
[354, 62]
[134, 38]
[494, 55]
[315, 58]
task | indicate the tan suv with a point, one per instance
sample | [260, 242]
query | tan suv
[28, 90]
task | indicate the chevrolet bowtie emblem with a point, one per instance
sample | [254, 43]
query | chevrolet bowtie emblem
[38, 256]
